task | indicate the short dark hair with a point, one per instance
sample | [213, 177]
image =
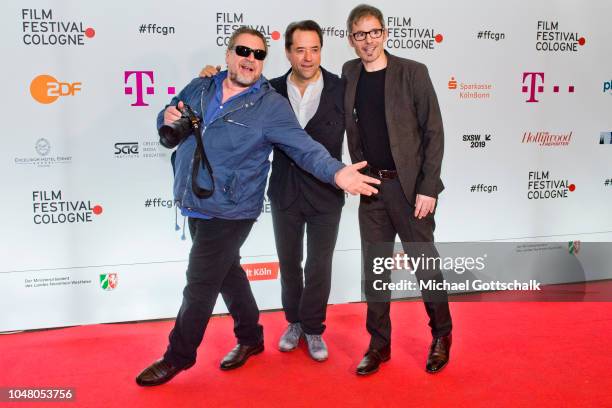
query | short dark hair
[361, 11]
[246, 30]
[304, 25]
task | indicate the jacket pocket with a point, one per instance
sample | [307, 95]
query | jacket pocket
[231, 188]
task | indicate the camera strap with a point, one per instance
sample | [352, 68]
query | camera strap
[199, 157]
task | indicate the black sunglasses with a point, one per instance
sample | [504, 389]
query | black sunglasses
[243, 51]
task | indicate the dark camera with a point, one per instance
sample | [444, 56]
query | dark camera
[171, 135]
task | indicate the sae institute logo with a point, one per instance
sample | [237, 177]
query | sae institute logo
[46, 89]
[139, 150]
[109, 281]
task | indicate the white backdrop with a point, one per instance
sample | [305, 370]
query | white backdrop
[83, 139]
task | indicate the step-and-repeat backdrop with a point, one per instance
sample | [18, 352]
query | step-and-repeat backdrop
[89, 233]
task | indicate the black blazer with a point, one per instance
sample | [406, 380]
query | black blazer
[413, 120]
[326, 127]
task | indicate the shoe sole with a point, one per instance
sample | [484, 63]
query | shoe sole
[253, 353]
[153, 384]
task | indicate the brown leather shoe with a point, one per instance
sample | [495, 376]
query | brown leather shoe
[439, 353]
[158, 373]
[239, 355]
[372, 359]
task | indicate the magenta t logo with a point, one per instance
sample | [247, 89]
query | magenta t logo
[531, 88]
[139, 88]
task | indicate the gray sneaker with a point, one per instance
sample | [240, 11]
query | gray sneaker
[291, 337]
[316, 347]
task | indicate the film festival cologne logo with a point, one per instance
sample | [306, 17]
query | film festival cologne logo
[405, 34]
[47, 28]
[44, 158]
[51, 207]
[227, 22]
[551, 38]
[541, 185]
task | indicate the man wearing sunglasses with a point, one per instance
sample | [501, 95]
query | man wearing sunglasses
[300, 202]
[393, 121]
[242, 120]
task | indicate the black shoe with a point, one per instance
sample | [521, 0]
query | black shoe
[439, 353]
[158, 373]
[239, 355]
[372, 359]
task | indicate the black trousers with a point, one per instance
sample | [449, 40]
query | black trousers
[305, 292]
[381, 218]
[214, 267]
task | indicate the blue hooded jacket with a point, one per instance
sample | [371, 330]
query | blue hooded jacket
[238, 144]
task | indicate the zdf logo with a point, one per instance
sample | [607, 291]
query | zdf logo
[46, 89]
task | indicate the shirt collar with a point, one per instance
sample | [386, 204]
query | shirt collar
[317, 83]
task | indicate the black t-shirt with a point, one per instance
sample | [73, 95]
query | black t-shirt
[370, 106]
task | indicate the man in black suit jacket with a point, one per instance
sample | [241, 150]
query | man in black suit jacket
[299, 201]
[393, 121]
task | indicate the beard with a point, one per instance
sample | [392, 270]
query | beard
[241, 80]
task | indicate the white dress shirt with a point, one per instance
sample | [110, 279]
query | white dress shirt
[305, 106]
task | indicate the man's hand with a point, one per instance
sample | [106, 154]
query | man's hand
[352, 181]
[423, 206]
[209, 71]
[171, 114]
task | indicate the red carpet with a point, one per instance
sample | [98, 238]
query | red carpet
[504, 355]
